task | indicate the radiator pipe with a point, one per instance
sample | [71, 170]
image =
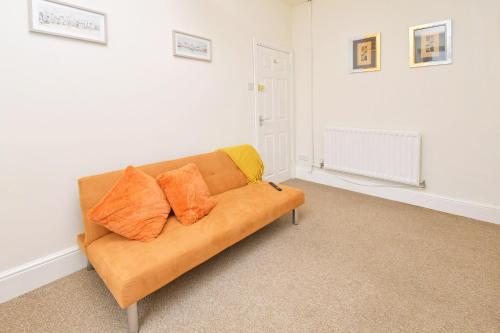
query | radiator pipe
[321, 166]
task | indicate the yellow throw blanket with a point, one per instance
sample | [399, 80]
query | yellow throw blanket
[248, 160]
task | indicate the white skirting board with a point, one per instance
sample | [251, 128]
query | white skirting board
[472, 210]
[34, 274]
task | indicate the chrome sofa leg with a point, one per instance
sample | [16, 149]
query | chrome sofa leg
[89, 266]
[295, 216]
[133, 319]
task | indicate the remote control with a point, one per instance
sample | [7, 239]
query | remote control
[275, 186]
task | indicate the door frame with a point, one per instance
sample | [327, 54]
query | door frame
[291, 98]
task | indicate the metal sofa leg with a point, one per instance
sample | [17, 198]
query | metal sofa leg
[89, 266]
[133, 319]
[295, 216]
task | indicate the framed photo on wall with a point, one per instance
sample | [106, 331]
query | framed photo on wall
[191, 46]
[365, 54]
[61, 19]
[431, 44]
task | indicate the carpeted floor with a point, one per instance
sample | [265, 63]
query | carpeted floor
[355, 264]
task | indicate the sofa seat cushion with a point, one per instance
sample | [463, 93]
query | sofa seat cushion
[132, 270]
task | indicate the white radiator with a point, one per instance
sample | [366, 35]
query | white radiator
[388, 155]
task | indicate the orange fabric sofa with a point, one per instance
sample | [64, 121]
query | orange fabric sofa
[132, 270]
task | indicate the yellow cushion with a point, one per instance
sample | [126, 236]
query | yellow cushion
[248, 160]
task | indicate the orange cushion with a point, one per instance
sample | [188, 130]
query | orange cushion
[135, 207]
[187, 192]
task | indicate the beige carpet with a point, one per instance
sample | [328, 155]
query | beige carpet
[355, 264]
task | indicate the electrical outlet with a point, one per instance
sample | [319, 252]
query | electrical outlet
[303, 158]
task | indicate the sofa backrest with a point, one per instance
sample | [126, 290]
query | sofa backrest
[218, 170]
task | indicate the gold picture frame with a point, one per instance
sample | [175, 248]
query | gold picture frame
[431, 44]
[366, 53]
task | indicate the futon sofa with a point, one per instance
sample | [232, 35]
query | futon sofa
[132, 270]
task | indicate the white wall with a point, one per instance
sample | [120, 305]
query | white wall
[70, 108]
[456, 107]
[301, 41]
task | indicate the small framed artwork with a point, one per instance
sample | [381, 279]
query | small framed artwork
[365, 54]
[61, 19]
[431, 44]
[191, 46]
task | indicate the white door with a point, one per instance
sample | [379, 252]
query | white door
[273, 112]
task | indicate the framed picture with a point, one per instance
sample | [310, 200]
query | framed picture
[62, 19]
[365, 54]
[431, 44]
[191, 46]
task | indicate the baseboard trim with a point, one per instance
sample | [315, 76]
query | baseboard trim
[39, 272]
[468, 209]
